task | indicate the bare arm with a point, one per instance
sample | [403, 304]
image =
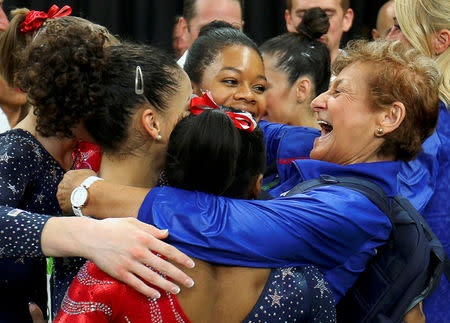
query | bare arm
[120, 247]
[106, 200]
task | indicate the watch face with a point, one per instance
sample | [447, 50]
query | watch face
[79, 196]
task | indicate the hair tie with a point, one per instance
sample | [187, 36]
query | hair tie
[241, 120]
[34, 19]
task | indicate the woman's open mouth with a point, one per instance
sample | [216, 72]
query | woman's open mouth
[327, 128]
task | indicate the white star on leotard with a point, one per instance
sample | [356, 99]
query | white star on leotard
[40, 198]
[275, 299]
[13, 188]
[38, 152]
[286, 272]
[321, 285]
[20, 260]
[4, 157]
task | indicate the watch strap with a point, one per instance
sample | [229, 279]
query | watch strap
[90, 180]
[86, 184]
[77, 211]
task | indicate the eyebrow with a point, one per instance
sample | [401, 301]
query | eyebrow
[324, 9]
[336, 83]
[229, 68]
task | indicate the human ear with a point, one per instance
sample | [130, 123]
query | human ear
[392, 117]
[150, 123]
[441, 41]
[303, 89]
[289, 25]
[255, 190]
[347, 20]
[375, 34]
[185, 37]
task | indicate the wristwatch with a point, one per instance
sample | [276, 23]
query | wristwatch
[80, 194]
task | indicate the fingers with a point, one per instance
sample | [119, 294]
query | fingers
[140, 286]
[165, 249]
[167, 269]
[36, 313]
[155, 279]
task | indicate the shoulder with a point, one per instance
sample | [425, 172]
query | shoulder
[18, 142]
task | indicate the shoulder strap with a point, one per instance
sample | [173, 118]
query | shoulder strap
[369, 189]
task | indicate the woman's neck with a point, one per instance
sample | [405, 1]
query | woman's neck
[132, 170]
[60, 148]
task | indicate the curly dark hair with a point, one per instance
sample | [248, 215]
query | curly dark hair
[61, 73]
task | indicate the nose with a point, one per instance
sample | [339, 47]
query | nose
[319, 103]
[244, 92]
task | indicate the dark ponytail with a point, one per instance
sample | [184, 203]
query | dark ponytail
[302, 54]
[208, 153]
[315, 23]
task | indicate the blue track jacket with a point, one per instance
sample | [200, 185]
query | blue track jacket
[333, 227]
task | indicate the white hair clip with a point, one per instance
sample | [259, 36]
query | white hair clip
[139, 81]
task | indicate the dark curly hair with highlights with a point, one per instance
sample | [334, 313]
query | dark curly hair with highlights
[62, 71]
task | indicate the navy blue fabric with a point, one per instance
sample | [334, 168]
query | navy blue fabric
[403, 272]
[335, 228]
[294, 294]
[29, 176]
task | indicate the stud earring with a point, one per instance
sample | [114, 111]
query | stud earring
[299, 101]
[379, 132]
[158, 137]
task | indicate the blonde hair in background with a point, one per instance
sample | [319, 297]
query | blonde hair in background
[418, 20]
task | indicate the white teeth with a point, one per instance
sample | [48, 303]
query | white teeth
[323, 122]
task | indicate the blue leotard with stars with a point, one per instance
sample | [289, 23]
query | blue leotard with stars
[294, 294]
[29, 176]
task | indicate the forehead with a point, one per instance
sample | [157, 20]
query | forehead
[226, 10]
[241, 57]
[354, 77]
[323, 4]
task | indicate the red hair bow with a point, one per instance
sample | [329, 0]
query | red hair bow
[34, 19]
[242, 120]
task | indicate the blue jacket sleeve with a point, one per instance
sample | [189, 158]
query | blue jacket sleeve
[416, 179]
[326, 226]
[273, 133]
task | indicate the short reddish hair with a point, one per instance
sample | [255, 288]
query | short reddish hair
[399, 73]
